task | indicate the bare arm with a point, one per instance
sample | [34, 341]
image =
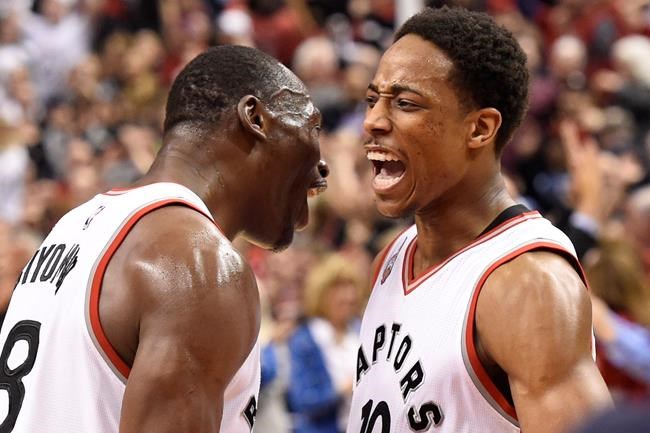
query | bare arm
[197, 319]
[534, 320]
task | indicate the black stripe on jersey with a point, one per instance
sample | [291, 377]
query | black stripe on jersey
[504, 216]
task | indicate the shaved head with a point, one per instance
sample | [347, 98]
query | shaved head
[217, 79]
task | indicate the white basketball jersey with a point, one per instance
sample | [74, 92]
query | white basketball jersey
[417, 367]
[58, 370]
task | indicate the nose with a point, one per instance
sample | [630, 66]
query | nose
[323, 169]
[319, 185]
[376, 120]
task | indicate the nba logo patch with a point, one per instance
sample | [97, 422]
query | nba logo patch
[391, 262]
[91, 217]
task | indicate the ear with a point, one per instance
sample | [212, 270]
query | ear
[252, 115]
[483, 127]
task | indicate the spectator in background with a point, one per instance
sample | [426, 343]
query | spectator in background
[141, 87]
[617, 278]
[316, 62]
[628, 85]
[567, 62]
[17, 244]
[279, 26]
[57, 38]
[636, 223]
[281, 280]
[627, 343]
[59, 130]
[187, 29]
[323, 348]
[14, 58]
[235, 26]
[14, 161]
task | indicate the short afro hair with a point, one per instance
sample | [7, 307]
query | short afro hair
[217, 79]
[489, 65]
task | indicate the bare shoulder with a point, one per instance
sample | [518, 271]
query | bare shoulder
[535, 306]
[533, 319]
[195, 243]
[539, 281]
[175, 270]
[187, 260]
[195, 315]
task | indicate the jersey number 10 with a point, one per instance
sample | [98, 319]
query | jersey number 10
[418, 421]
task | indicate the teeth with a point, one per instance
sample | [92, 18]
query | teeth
[375, 155]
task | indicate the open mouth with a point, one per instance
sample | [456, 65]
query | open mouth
[388, 169]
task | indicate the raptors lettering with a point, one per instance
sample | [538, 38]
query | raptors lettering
[389, 346]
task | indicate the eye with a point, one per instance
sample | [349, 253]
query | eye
[371, 100]
[405, 104]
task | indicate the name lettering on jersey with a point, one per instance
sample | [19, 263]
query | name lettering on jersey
[397, 354]
[250, 412]
[51, 264]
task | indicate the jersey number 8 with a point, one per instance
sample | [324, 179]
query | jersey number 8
[11, 379]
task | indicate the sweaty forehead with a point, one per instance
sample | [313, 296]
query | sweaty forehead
[297, 103]
[414, 62]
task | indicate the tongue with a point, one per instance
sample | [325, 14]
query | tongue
[391, 169]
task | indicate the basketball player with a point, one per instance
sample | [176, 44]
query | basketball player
[137, 314]
[479, 319]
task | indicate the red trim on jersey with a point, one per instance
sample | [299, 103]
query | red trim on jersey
[118, 191]
[98, 279]
[407, 268]
[477, 366]
[410, 283]
[384, 253]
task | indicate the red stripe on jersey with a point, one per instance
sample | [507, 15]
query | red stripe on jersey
[384, 253]
[411, 283]
[98, 278]
[479, 370]
[407, 269]
[118, 191]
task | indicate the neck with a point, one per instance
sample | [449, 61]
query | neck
[211, 185]
[452, 222]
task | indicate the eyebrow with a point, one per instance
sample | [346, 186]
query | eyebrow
[395, 89]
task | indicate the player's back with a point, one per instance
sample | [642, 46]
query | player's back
[60, 371]
[46, 336]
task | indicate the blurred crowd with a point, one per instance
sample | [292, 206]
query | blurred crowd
[82, 95]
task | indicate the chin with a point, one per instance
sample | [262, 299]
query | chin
[272, 236]
[283, 241]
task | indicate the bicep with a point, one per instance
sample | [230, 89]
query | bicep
[165, 394]
[545, 345]
[196, 327]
